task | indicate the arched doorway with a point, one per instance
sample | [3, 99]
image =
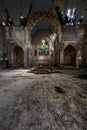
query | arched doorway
[18, 56]
[70, 56]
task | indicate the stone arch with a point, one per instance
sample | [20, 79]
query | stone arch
[18, 55]
[43, 24]
[70, 55]
[44, 59]
[47, 15]
[70, 43]
[52, 19]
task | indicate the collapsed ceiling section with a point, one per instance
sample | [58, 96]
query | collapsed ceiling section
[69, 12]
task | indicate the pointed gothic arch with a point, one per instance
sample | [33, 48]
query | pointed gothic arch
[52, 19]
[42, 25]
[49, 16]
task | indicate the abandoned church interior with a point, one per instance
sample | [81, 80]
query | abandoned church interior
[52, 32]
[43, 64]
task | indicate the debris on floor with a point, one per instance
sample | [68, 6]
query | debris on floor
[55, 101]
[58, 89]
[44, 70]
[41, 70]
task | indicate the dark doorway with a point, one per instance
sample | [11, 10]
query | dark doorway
[70, 56]
[18, 56]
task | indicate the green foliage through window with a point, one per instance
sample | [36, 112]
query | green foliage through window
[43, 48]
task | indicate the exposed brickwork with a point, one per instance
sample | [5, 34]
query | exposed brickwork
[39, 15]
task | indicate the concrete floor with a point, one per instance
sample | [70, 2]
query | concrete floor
[30, 101]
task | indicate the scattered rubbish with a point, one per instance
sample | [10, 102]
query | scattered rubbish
[58, 89]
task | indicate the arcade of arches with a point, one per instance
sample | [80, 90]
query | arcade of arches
[43, 41]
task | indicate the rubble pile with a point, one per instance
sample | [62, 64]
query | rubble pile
[44, 70]
[41, 70]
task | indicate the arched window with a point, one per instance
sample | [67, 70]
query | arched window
[43, 48]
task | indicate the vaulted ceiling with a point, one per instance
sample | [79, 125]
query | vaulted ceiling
[16, 6]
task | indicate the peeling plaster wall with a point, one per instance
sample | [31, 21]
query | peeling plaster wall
[15, 34]
[1, 49]
[85, 46]
[1, 44]
[73, 35]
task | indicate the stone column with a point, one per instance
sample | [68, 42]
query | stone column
[78, 56]
[61, 57]
[12, 58]
[27, 50]
[1, 48]
[25, 58]
[29, 53]
[57, 51]
[57, 47]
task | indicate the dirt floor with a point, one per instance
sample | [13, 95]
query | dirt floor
[56, 101]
